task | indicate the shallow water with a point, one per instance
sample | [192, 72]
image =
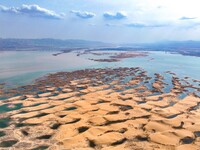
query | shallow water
[22, 67]
[6, 108]
[4, 122]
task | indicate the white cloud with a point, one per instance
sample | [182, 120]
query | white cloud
[187, 18]
[144, 25]
[83, 14]
[32, 10]
[9, 10]
[112, 25]
[115, 16]
[156, 18]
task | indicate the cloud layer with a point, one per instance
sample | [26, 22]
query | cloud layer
[187, 18]
[121, 20]
[143, 25]
[83, 14]
[114, 16]
[32, 10]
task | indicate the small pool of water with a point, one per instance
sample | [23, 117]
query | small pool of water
[9, 107]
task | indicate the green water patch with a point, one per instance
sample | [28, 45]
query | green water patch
[18, 125]
[40, 148]
[3, 98]
[41, 92]
[4, 122]
[2, 133]
[10, 107]
[54, 94]
[8, 143]
[197, 133]
[21, 79]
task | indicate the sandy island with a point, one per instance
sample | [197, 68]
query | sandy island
[102, 109]
[114, 56]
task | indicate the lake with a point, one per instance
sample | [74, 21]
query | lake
[23, 67]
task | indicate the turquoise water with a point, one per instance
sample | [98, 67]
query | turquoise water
[22, 67]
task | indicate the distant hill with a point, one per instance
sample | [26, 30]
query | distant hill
[174, 45]
[166, 45]
[183, 47]
[191, 48]
[48, 44]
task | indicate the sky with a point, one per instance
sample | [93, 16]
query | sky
[116, 21]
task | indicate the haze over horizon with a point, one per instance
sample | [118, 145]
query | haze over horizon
[129, 21]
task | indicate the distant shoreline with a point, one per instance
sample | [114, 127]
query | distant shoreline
[188, 48]
[60, 52]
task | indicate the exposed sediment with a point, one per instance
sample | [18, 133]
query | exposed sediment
[115, 57]
[104, 109]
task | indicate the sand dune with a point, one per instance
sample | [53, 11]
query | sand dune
[97, 109]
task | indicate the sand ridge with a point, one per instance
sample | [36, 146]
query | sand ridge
[104, 109]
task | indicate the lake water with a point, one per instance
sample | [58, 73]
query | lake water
[22, 67]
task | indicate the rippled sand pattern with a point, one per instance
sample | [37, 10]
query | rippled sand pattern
[102, 109]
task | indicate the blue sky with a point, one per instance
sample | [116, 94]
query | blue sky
[124, 21]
